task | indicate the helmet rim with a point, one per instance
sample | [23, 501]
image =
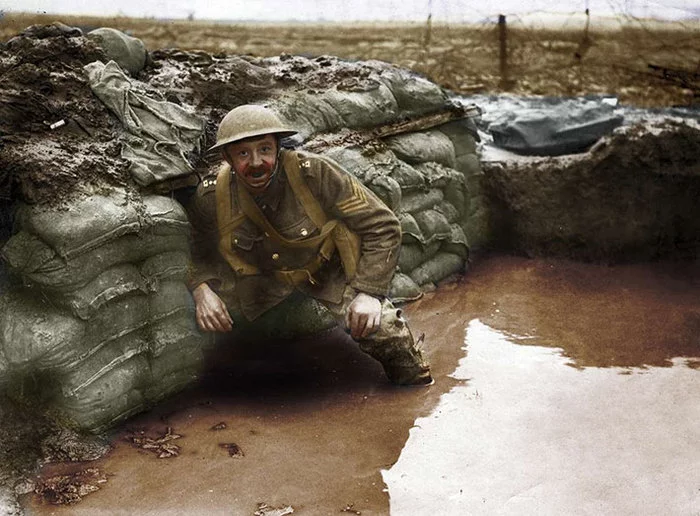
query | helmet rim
[257, 119]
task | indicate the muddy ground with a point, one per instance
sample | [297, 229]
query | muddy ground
[313, 424]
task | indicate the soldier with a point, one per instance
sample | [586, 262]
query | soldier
[275, 220]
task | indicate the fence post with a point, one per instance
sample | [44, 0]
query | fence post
[503, 51]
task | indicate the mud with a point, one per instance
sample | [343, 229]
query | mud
[57, 138]
[318, 422]
[632, 197]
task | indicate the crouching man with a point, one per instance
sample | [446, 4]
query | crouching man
[275, 220]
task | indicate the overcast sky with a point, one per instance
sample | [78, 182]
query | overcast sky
[346, 10]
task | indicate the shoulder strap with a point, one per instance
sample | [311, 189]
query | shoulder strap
[302, 191]
[253, 212]
[227, 223]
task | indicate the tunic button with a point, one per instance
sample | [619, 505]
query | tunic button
[235, 240]
[275, 256]
[304, 232]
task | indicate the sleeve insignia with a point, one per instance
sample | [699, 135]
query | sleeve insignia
[357, 201]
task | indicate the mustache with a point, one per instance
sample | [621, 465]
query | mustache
[258, 170]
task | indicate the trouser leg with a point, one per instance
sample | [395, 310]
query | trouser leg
[392, 344]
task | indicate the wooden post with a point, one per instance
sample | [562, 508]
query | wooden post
[503, 51]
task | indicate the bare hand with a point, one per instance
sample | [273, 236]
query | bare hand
[211, 311]
[363, 316]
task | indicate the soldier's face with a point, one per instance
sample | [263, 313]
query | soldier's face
[253, 160]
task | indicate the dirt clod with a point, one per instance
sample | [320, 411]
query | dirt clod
[162, 446]
[268, 510]
[233, 450]
[70, 489]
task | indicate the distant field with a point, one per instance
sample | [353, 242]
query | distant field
[463, 58]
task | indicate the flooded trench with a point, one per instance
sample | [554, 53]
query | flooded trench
[561, 388]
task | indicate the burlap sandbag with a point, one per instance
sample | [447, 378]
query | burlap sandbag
[433, 226]
[410, 230]
[463, 135]
[92, 221]
[38, 264]
[423, 146]
[128, 52]
[414, 95]
[437, 268]
[403, 289]
[311, 113]
[119, 281]
[34, 334]
[110, 398]
[170, 265]
[416, 202]
[387, 189]
[413, 255]
[457, 243]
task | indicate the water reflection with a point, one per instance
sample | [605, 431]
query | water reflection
[527, 435]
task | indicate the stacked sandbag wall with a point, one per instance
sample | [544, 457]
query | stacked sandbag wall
[99, 304]
[431, 179]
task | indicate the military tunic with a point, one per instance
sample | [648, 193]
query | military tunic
[341, 197]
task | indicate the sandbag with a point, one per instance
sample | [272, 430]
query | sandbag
[423, 146]
[410, 230]
[102, 362]
[160, 387]
[433, 226]
[403, 289]
[128, 52]
[108, 399]
[437, 268]
[362, 109]
[172, 331]
[457, 243]
[39, 265]
[413, 255]
[468, 164]
[92, 221]
[448, 210]
[186, 355]
[463, 134]
[387, 189]
[415, 202]
[414, 95]
[311, 113]
[408, 178]
[111, 284]
[171, 297]
[34, 334]
[306, 113]
[170, 265]
[159, 135]
[451, 181]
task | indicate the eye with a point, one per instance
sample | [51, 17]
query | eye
[243, 153]
[266, 148]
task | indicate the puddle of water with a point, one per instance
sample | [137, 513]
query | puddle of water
[317, 422]
[526, 434]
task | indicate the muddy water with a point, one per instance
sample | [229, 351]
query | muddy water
[518, 430]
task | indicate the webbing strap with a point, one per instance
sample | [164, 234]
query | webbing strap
[301, 190]
[254, 213]
[227, 223]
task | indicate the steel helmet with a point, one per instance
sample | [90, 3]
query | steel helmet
[247, 121]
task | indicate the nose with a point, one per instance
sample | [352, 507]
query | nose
[256, 159]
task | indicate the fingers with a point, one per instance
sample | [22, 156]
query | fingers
[372, 325]
[358, 325]
[212, 315]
